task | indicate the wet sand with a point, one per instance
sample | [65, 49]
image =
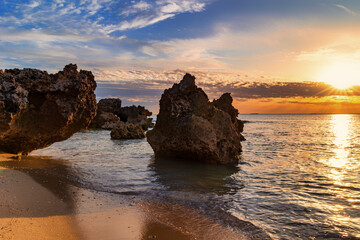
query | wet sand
[36, 205]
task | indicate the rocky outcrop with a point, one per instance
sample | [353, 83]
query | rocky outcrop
[38, 109]
[137, 115]
[127, 131]
[190, 126]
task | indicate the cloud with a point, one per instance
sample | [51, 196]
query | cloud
[288, 90]
[240, 85]
[149, 14]
[176, 6]
[349, 11]
[272, 97]
[34, 4]
[96, 16]
[138, 22]
[93, 34]
[136, 8]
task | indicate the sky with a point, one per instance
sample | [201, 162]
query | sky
[274, 56]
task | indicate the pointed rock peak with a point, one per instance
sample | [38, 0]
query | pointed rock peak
[188, 81]
[70, 68]
[225, 103]
[226, 98]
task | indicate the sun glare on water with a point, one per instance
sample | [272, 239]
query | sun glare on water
[341, 75]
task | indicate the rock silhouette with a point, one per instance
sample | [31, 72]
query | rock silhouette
[190, 126]
[38, 109]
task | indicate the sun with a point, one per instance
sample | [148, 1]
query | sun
[341, 75]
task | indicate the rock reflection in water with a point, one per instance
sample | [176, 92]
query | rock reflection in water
[188, 176]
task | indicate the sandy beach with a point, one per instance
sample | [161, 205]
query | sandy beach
[35, 205]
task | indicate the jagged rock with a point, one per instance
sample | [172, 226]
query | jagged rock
[109, 109]
[127, 131]
[189, 126]
[225, 103]
[104, 120]
[38, 109]
[137, 115]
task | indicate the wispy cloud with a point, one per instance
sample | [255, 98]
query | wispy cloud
[349, 11]
[138, 22]
[136, 8]
[149, 14]
[34, 4]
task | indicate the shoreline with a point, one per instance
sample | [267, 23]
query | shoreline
[29, 210]
[39, 206]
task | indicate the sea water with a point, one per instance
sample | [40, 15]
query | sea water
[299, 175]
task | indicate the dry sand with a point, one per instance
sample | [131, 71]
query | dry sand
[38, 206]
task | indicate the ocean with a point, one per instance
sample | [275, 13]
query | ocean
[299, 175]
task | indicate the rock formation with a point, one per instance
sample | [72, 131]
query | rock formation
[38, 109]
[127, 131]
[104, 120]
[110, 113]
[112, 105]
[190, 126]
[106, 115]
[137, 115]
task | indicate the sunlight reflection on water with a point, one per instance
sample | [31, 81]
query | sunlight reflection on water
[341, 125]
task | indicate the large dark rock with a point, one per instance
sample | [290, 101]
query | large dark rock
[137, 115]
[127, 131]
[38, 109]
[189, 126]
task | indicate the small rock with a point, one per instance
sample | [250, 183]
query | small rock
[137, 115]
[127, 131]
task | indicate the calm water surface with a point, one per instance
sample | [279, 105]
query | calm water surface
[299, 177]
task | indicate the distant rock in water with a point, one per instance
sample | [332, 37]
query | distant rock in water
[112, 105]
[137, 115]
[104, 120]
[110, 113]
[127, 131]
[107, 114]
[38, 109]
[190, 126]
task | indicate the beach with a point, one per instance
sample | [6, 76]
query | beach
[292, 183]
[43, 207]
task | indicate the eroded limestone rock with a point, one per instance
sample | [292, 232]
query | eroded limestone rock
[38, 109]
[190, 126]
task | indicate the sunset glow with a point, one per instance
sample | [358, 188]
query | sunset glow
[262, 51]
[341, 75]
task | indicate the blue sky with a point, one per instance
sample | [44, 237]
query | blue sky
[222, 41]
